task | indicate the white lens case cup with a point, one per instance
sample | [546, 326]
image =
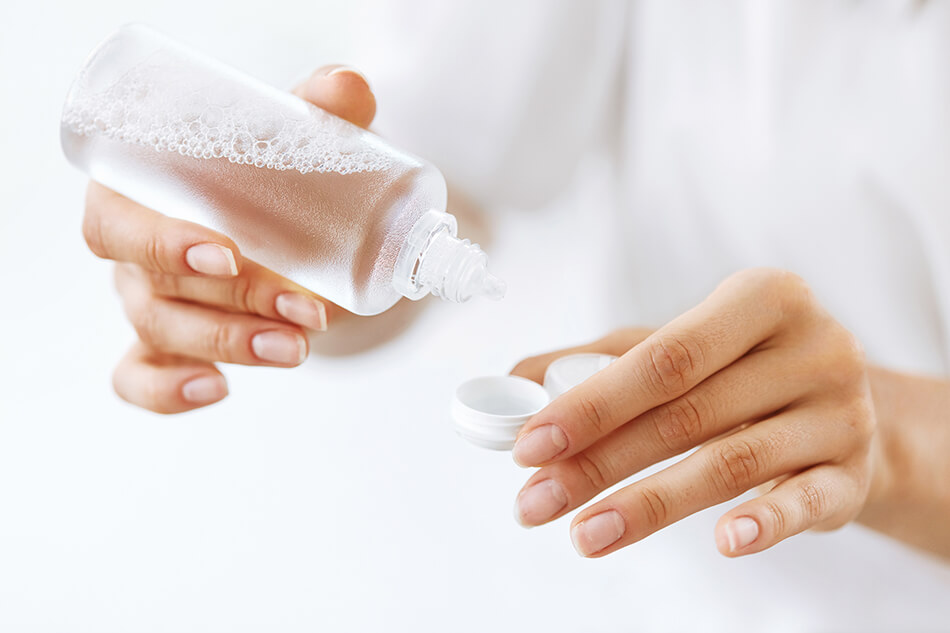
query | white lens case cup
[489, 411]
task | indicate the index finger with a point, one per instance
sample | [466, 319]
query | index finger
[120, 229]
[744, 311]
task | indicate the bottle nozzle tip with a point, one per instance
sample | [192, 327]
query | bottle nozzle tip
[494, 288]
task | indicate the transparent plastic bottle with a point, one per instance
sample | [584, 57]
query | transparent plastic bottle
[317, 199]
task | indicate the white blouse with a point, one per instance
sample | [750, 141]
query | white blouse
[714, 136]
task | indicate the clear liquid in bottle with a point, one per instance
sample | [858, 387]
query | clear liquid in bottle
[311, 196]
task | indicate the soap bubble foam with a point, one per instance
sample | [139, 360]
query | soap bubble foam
[171, 108]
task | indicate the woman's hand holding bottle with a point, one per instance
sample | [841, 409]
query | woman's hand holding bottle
[191, 296]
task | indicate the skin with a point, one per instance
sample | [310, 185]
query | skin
[770, 390]
[773, 394]
[189, 316]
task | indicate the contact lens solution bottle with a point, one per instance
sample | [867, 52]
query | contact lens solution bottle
[317, 199]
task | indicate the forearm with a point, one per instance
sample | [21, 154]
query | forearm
[910, 492]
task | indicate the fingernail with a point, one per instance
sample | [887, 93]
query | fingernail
[538, 503]
[348, 69]
[302, 310]
[539, 445]
[741, 533]
[276, 346]
[599, 531]
[204, 390]
[211, 259]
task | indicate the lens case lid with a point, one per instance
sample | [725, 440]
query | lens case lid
[490, 410]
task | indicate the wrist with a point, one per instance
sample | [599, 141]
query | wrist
[909, 493]
[887, 456]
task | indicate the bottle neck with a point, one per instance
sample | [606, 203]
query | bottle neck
[433, 260]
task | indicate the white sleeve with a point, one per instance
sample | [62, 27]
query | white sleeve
[504, 97]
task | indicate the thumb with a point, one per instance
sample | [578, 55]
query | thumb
[340, 90]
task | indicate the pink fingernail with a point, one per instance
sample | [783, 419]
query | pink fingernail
[598, 532]
[277, 346]
[302, 310]
[204, 389]
[538, 503]
[539, 445]
[211, 259]
[741, 533]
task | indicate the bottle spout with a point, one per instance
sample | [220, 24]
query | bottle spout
[493, 287]
[434, 260]
[480, 283]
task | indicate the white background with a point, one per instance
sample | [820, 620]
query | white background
[334, 496]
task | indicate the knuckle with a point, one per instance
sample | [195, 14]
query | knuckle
[853, 347]
[242, 293]
[146, 320]
[759, 278]
[860, 419]
[153, 253]
[791, 293]
[735, 466]
[656, 505]
[594, 410]
[680, 423]
[843, 364]
[593, 470]
[851, 356]
[777, 517]
[675, 362]
[795, 295]
[222, 342]
[814, 502]
[756, 276]
[787, 280]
